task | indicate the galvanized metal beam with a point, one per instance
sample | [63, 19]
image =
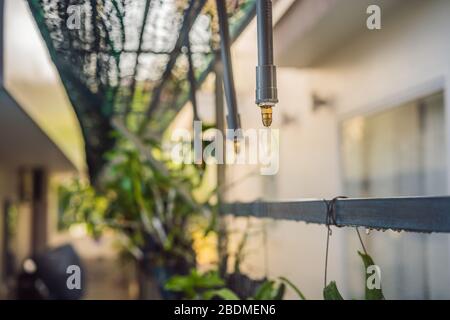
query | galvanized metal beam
[417, 214]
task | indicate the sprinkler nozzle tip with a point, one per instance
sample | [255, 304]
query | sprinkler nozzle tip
[266, 113]
[237, 146]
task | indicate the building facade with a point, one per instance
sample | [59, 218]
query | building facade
[362, 113]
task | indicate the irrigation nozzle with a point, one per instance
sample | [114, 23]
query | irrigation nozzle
[237, 145]
[266, 78]
[266, 114]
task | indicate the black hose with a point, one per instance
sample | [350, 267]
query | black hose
[265, 37]
[266, 80]
[233, 120]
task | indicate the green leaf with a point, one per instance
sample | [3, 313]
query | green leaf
[208, 280]
[178, 283]
[331, 292]
[225, 294]
[126, 184]
[279, 293]
[371, 294]
[293, 287]
[264, 291]
[193, 283]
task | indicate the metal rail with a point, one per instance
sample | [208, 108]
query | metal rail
[416, 214]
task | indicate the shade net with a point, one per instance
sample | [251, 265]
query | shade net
[129, 58]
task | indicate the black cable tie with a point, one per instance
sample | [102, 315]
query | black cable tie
[331, 218]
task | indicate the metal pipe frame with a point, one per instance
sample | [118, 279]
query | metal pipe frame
[211, 65]
[266, 80]
[414, 214]
[233, 120]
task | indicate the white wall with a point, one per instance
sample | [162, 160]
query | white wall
[33, 81]
[407, 59]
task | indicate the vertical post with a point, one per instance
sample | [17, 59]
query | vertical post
[220, 122]
[39, 211]
[222, 244]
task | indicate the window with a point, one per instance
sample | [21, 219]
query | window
[400, 152]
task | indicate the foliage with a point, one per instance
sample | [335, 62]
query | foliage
[331, 292]
[275, 290]
[270, 291]
[126, 58]
[293, 287]
[200, 286]
[210, 285]
[153, 209]
[371, 294]
[147, 199]
[224, 294]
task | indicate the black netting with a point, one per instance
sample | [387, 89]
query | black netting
[128, 58]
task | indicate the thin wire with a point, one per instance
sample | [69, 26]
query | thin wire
[330, 220]
[326, 256]
[329, 232]
[360, 240]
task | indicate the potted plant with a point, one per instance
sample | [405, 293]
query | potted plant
[149, 202]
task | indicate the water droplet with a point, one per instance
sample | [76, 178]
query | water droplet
[368, 231]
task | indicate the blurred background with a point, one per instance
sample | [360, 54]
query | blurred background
[362, 113]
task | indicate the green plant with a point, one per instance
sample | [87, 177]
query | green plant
[293, 287]
[200, 286]
[331, 292]
[270, 290]
[148, 200]
[210, 285]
